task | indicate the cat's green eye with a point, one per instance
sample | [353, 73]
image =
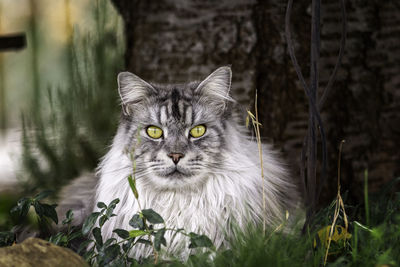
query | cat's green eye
[154, 132]
[198, 131]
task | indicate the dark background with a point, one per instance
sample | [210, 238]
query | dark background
[181, 40]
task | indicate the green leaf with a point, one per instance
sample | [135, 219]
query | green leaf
[363, 227]
[132, 184]
[101, 205]
[137, 222]
[89, 222]
[136, 233]
[43, 194]
[133, 262]
[56, 239]
[22, 207]
[110, 253]
[64, 240]
[159, 239]
[122, 233]
[111, 208]
[38, 209]
[109, 241]
[197, 241]
[74, 235]
[69, 214]
[84, 245]
[126, 246]
[102, 220]
[144, 241]
[46, 210]
[114, 203]
[50, 211]
[97, 237]
[152, 216]
[89, 254]
[68, 217]
[6, 239]
[121, 261]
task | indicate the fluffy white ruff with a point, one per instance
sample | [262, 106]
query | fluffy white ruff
[231, 195]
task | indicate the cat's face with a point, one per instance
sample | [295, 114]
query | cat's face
[181, 128]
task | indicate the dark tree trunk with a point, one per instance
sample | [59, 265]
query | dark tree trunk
[182, 40]
[175, 41]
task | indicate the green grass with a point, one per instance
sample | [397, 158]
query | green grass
[374, 245]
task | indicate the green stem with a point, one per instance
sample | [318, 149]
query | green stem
[355, 243]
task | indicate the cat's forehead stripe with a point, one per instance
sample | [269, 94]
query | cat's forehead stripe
[175, 104]
[175, 107]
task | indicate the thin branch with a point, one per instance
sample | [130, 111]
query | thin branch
[291, 46]
[339, 59]
[310, 140]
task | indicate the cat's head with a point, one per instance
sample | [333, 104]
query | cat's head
[181, 128]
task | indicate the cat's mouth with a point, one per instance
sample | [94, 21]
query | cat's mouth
[176, 172]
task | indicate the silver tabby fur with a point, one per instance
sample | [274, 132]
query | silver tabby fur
[215, 185]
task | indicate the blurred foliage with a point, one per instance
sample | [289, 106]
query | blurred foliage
[69, 130]
[7, 201]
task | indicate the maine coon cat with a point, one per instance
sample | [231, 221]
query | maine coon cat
[196, 166]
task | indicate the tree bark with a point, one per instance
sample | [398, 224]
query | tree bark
[177, 40]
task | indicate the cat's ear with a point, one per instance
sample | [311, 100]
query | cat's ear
[215, 88]
[132, 90]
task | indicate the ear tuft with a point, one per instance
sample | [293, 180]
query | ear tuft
[215, 88]
[132, 89]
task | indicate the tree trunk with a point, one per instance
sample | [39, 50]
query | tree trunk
[176, 41]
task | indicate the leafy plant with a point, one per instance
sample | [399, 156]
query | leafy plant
[44, 212]
[6, 238]
[41, 209]
[72, 233]
[145, 231]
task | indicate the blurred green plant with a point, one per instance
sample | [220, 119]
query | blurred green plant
[7, 201]
[32, 212]
[69, 132]
[41, 209]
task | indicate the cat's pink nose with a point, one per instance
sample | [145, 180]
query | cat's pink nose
[176, 157]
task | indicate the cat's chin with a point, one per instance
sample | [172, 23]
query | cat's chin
[177, 181]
